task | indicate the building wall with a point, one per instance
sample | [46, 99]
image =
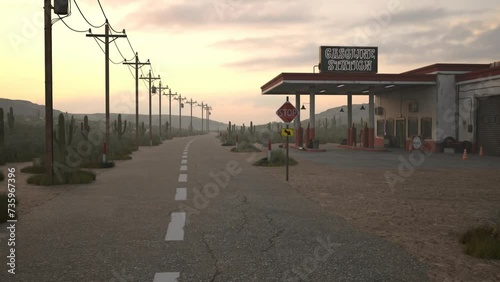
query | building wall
[396, 106]
[446, 110]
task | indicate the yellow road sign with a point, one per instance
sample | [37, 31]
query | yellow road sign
[287, 132]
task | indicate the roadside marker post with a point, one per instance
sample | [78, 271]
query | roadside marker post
[287, 112]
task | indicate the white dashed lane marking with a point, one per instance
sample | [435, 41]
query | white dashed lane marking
[184, 167]
[166, 277]
[175, 231]
[181, 194]
[184, 161]
[183, 177]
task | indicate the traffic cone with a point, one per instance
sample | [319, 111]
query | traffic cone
[464, 156]
[481, 152]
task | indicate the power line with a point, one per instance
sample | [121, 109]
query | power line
[130, 44]
[105, 53]
[104, 14]
[130, 70]
[119, 51]
[95, 26]
[62, 19]
[117, 48]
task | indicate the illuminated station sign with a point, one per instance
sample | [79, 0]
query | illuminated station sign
[348, 59]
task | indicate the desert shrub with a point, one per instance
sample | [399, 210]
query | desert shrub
[245, 147]
[482, 242]
[67, 177]
[277, 159]
[33, 169]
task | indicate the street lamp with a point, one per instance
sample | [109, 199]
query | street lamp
[160, 90]
[181, 105]
[208, 109]
[170, 110]
[191, 102]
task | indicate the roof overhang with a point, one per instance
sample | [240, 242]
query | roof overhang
[343, 84]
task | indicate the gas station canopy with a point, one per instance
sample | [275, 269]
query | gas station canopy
[343, 83]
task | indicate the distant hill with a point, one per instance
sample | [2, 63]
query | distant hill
[29, 109]
[185, 121]
[24, 108]
[341, 117]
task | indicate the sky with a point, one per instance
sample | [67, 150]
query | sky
[221, 52]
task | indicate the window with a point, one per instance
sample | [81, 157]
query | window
[426, 127]
[380, 128]
[412, 126]
[389, 127]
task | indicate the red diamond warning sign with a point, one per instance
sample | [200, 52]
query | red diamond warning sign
[287, 112]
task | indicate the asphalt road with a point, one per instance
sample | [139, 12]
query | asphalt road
[238, 223]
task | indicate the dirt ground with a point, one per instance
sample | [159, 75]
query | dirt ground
[425, 214]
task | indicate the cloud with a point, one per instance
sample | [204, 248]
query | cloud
[218, 14]
[302, 56]
[460, 43]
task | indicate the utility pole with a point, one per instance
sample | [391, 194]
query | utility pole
[191, 102]
[137, 65]
[202, 107]
[207, 108]
[160, 89]
[49, 155]
[106, 36]
[181, 105]
[150, 79]
[170, 110]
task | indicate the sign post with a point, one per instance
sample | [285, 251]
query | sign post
[287, 112]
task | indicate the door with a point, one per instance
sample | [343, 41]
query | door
[488, 125]
[400, 137]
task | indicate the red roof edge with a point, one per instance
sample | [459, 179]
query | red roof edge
[448, 67]
[479, 74]
[272, 82]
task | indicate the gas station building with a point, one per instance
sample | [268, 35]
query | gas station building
[454, 102]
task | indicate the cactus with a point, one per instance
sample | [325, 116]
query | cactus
[167, 126]
[2, 132]
[11, 118]
[325, 124]
[85, 128]
[229, 129]
[242, 129]
[63, 134]
[143, 129]
[234, 128]
[118, 127]
[252, 128]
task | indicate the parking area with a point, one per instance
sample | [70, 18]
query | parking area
[352, 158]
